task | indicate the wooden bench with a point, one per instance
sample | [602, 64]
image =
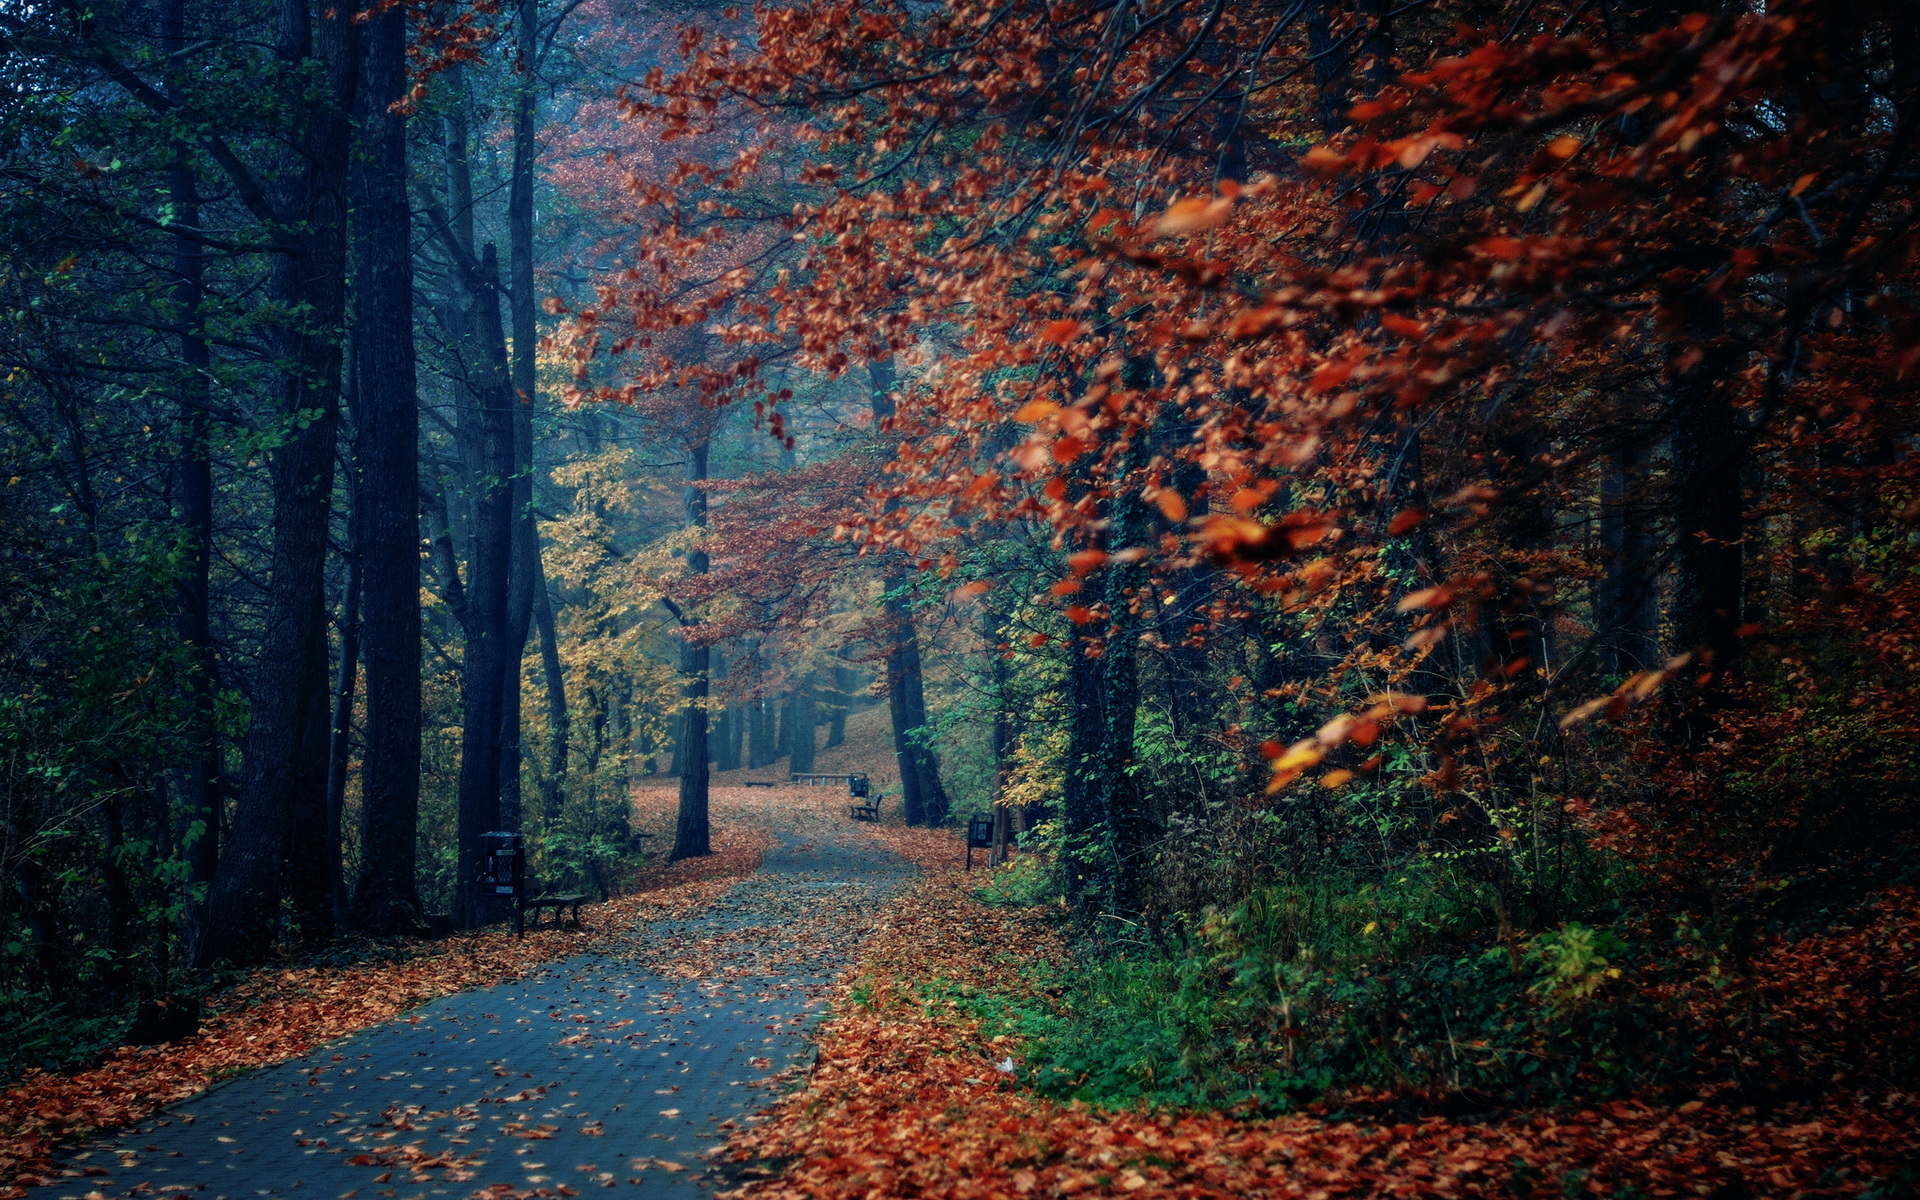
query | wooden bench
[759, 783]
[812, 780]
[570, 901]
[868, 809]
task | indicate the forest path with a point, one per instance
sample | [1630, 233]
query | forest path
[610, 1070]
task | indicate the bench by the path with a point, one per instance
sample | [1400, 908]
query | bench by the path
[569, 900]
[593, 1073]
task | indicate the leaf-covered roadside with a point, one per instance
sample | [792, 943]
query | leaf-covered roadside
[909, 1097]
[280, 1013]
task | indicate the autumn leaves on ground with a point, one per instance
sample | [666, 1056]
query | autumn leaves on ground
[917, 1093]
[280, 1012]
[912, 1096]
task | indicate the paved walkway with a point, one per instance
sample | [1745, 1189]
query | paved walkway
[606, 1071]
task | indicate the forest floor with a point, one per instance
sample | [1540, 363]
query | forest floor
[605, 1058]
[632, 1057]
[911, 1096]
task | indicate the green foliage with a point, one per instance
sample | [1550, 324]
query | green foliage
[1388, 983]
[1029, 879]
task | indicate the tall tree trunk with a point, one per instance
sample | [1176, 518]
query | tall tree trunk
[559, 719]
[1083, 819]
[844, 681]
[691, 833]
[308, 284]
[312, 882]
[925, 800]
[118, 887]
[1005, 722]
[1705, 504]
[387, 488]
[1118, 800]
[723, 732]
[1627, 601]
[193, 493]
[525, 574]
[483, 675]
[801, 720]
[340, 731]
[763, 745]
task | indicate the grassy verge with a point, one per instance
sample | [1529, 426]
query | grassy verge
[923, 1088]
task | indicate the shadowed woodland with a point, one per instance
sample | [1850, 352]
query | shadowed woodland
[1402, 519]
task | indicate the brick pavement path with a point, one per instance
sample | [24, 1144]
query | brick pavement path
[607, 1074]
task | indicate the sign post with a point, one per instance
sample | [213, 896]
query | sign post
[503, 874]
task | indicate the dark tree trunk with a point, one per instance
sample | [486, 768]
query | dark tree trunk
[1628, 604]
[1005, 728]
[340, 733]
[925, 800]
[1083, 819]
[387, 490]
[119, 894]
[691, 834]
[312, 881]
[736, 736]
[801, 720]
[844, 681]
[1705, 504]
[723, 732]
[559, 721]
[193, 494]
[248, 887]
[1117, 800]
[525, 576]
[763, 744]
[483, 675]
[490, 438]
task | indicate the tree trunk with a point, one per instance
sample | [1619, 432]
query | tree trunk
[800, 723]
[723, 741]
[340, 733]
[1627, 601]
[691, 835]
[1118, 800]
[387, 490]
[1083, 819]
[559, 720]
[1000, 680]
[309, 281]
[1705, 504]
[762, 734]
[525, 571]
[313, 879]
[193, 492]
[483, 677]
[844, 681]
[925, 800]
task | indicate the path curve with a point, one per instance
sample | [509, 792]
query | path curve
[608, 1073]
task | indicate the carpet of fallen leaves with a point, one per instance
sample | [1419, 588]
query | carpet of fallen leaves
[910, 1102]
[278, 1013]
